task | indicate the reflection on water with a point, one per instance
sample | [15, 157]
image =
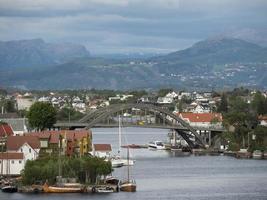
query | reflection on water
[170, 175]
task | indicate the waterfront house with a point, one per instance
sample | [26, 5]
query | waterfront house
[101, 150]
[72, 142]
[11, 164]
[204, 120]
[28, 145]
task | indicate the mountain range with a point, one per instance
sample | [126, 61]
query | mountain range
[35, 64]
[37, 53]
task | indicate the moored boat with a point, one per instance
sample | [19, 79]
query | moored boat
[156, 145]
[257, 154]
[128, 185]
[62, 189]
[9, 189]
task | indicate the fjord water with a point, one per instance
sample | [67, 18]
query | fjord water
[163, 175]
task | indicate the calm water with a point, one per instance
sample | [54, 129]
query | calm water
[162, 175]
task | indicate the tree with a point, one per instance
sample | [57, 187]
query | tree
[223, 106]
[41, 115]
[259, 103]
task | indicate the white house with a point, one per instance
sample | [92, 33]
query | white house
[11, 163]
[164, 100]
[102, 150]
[28, 145]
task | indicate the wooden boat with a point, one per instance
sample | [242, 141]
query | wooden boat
[62, 189]
[128, 185]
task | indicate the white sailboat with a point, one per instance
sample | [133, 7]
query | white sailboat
[117, 161]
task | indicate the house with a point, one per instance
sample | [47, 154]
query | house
[5, 130]
[18, 125]
[11, 163]
[28, 145]
[72, 142]
[101, 150]
[165, 100]
[24, 103]
[204, 120]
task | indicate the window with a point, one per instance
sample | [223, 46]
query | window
[20, 161]
[21, 150]
[12, 161]
[30, 150]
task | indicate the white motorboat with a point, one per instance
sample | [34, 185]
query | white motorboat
[156, 145]
[116, 163]
[257, 154]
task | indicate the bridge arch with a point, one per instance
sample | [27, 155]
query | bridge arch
[97, 116]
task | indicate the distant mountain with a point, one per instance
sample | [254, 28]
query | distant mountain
[209, 64]
[36, 53]
[217, 51]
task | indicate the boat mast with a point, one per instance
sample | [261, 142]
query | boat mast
[119, 150]
[128, 164]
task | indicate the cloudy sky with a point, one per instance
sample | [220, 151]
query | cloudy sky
[122, 26]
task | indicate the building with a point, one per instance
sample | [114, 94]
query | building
[24, 103]
[28, 145]
[204, 120]
[11, 163]
[101, 150]
[71, 142]
[5, 130]
[19, 125]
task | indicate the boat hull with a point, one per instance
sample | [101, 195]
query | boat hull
[9, 189]
[128, 187]
[56, 189]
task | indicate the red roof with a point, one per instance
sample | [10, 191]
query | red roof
[102, 147]
[5, 130]
[8, 155]
[15, 142]
[70, 135]
[201, 117]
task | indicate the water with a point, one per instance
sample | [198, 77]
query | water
[162, 175]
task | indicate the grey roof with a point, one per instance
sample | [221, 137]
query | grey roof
[8, 115]
[17, 124]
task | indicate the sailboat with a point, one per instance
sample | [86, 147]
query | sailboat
[129, 185]
[117, 161]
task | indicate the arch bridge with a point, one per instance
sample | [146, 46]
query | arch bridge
[148, 116]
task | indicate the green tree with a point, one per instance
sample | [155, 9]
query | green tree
[41, 115]
[259, 104]
[163, 92]
[223, 106]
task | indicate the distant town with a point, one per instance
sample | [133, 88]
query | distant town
[231, 122]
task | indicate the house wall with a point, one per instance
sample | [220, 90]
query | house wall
[29, 152]
[12, 166]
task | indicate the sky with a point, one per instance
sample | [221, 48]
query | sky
[129, 26]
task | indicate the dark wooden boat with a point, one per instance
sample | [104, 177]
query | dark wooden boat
[128, 185]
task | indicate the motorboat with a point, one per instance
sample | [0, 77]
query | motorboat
[257, 154]
[9, 189]
[104, 189]
[115, 163]
[157, 145]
